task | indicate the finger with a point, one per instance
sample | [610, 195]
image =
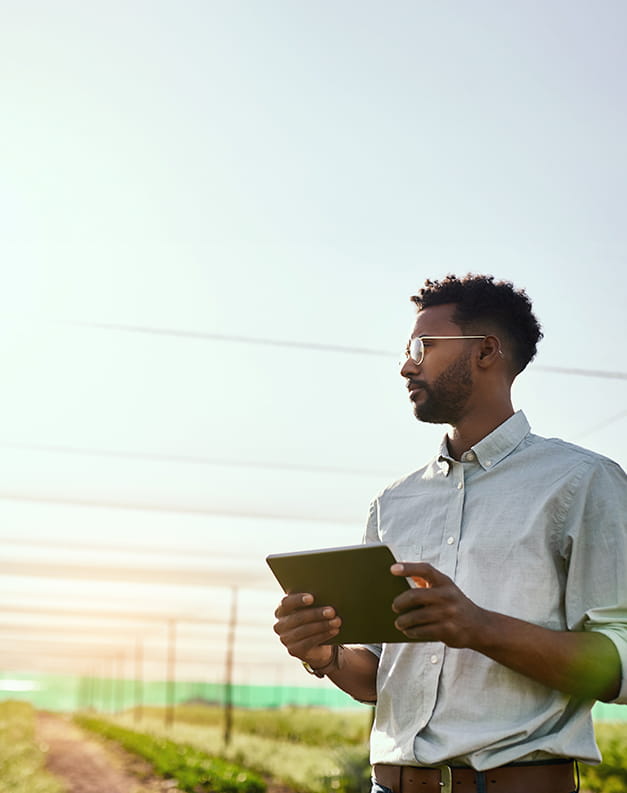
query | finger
[302, 640]
[306, 616]
[423, 633]
[412, 599]
[417, 618]
[421, 570]
[314, 632]
[294, 602]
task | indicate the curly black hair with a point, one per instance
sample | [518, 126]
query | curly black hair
[481, 301]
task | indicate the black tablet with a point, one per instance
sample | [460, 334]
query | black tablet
[355, 580]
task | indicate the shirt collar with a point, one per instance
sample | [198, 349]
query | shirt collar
[489, 451]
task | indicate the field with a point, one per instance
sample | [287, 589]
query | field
[611, 775]
[310, 750]
[21, 759]
[316, 750]
[313, 750]
[193, 769]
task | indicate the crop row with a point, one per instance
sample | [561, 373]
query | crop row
[194, 770]
[343, 768]
[337, 766]
[301, 725]
[279, 742]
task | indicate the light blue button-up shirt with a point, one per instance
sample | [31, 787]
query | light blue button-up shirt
[530, 527]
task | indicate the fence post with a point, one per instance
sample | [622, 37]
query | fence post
[228, 690]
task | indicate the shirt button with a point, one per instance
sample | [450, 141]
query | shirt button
[460, 485]
[434, 659]
[488, 463]
[450, 540]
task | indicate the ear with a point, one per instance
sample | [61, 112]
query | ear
[490, 352]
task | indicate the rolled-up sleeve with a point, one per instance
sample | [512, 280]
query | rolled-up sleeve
[596, 537]
[612, 622]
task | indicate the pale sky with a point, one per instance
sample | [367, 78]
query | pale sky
[290, 172]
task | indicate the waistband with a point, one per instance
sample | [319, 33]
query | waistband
[551, 777]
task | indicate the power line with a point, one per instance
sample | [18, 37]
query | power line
[38, 652]
[10, 632]
[140, 617]
[186, 334]
[301, 345]
[193, 460]
[602, 425]
[142, 507]
[580, 372]
[79, 545]
[182, 576]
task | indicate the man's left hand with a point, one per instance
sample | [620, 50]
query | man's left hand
[437, 612]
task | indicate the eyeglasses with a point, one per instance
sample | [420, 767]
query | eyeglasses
[416, 348]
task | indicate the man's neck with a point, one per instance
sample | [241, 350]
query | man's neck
[470, 431]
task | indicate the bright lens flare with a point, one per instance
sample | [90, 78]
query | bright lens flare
[19, 685]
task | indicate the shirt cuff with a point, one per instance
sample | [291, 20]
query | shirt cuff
[612, 622]
[375, 649]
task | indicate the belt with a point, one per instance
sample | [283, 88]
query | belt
[552, 777]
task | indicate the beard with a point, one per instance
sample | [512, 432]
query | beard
[445, 400]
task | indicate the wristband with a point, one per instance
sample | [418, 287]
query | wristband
[322, 671]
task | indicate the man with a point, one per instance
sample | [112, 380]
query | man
[520, 619]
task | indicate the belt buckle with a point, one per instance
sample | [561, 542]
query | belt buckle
[446, 778]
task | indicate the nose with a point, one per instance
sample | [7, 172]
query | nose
[409, 368]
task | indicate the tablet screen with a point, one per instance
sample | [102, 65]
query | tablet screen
[355, 580]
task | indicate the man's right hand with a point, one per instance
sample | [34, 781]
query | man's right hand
[303, 627]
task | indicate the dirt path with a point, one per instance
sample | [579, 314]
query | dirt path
[86, 764]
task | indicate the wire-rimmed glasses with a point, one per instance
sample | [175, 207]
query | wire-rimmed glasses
[416, 349]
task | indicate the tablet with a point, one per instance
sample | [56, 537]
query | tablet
[355, 580]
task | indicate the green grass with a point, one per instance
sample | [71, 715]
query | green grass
[330, 764]
[193, 769]
[308, 725]
[21, 759]
[611, 775]
[316, 750]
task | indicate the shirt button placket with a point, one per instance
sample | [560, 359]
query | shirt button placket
[451, 537]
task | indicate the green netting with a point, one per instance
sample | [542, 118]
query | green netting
[65, 693]
[61, 693]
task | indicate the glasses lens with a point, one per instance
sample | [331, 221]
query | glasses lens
[416, 350]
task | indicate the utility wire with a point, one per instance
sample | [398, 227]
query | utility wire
[143, 507]
[602, 425]
[616, 375]
[187, 334]
[78, 545]
[111, 612]
[162, 576]
[193, 460]
[91, 614]
[580, 372]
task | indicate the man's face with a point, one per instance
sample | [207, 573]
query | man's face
[441, 386]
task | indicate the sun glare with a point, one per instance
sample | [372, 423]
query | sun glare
[19, 685]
